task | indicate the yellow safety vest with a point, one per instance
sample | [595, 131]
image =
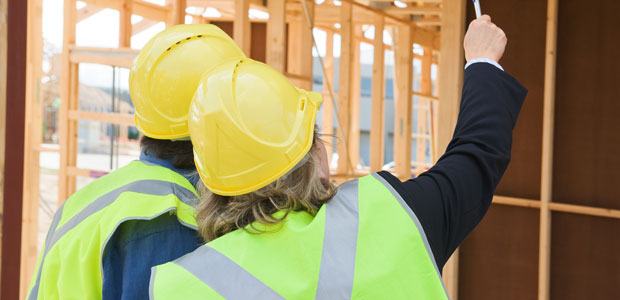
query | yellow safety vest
[70, 263]
[365, 243]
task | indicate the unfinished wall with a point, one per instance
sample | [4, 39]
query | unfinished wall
[584, 255]
[499, 260]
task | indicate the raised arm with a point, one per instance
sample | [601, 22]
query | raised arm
[452, 197]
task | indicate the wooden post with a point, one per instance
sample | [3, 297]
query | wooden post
[344, 90]
[32, 142]
[241, 27]
[276, 35]
[177, 15]
[328, 102]
[354, 131]
[451, 79]
[3, 79]
[424, 106]
[300, 46]
[66, 127]
[546, 186]
[403, 59]
[125, 27]
[377, 139]
[13, 55]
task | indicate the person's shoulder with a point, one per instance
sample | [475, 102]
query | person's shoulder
[164, 226]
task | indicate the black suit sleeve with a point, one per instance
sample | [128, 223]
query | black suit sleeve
[452, 197]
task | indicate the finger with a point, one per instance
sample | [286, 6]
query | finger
[485, 18]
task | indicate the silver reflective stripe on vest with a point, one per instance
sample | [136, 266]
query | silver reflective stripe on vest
[48, 243]
[149, 187]
[339, 244]
[224, 276]
[417, 223]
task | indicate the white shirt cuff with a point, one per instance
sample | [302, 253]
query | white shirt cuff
[483, 60]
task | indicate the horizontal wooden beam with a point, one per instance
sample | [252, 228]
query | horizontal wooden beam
[106, 56]
[414, 10]
[112, 118]
[86, 12]
[559, 207]
[151, 11]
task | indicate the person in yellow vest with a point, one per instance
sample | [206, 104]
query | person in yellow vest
[277, 229]
[105, 238]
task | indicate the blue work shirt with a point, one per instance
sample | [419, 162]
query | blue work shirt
[138, 245]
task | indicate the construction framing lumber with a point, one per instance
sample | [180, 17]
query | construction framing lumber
[415, 10]
[13, 55]
[344, 91]
[111, 118]
[377, 138]
[328, 101]
[276, 35]
[33, 130]
[546, 186]
[451, 79]
[105, 56]
[354, 129]
[241, 25]
[125, 28]
[403, 104]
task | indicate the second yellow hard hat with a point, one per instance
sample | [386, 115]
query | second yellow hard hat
[165, 74]
[249, 126]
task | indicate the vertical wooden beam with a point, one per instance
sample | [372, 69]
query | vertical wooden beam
[125, 27]
[450, 79]
[328, 102]
[377, 139]
[424, 106]
[403, 58]
[241, 27]
[300, 46]
[66, 184]
[177, 14]
[354, 134]
[32, 142]
[13, 120]
[546, 186]
[276, 35]
[344, 88]
[3, 77]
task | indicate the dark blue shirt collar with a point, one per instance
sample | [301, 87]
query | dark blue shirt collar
[190, 174]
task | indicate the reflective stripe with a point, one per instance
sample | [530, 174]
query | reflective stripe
[224, 276]
[417, 223]
[340, 244]
[148, 187]
[48, 243]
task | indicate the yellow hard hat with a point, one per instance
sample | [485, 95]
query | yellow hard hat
[249, 126]
[165, 74]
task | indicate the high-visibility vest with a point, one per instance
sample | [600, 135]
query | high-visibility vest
[365, 243]
[70, 262]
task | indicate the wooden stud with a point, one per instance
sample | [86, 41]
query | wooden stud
[3, 100]
[403, 56]
[64, 183]
[328, 101]
[241, 26]
[13, 37]
[276, 35]
[377, 138]
[451, 79]
[344, 91]
[125, 27]
[176, 15]
[354, 129]
[546, 186]
[424, 106]
[30, 213]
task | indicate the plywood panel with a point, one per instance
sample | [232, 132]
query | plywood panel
[499, 260]
[524, 59]
[587, 142]
[584, 257]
